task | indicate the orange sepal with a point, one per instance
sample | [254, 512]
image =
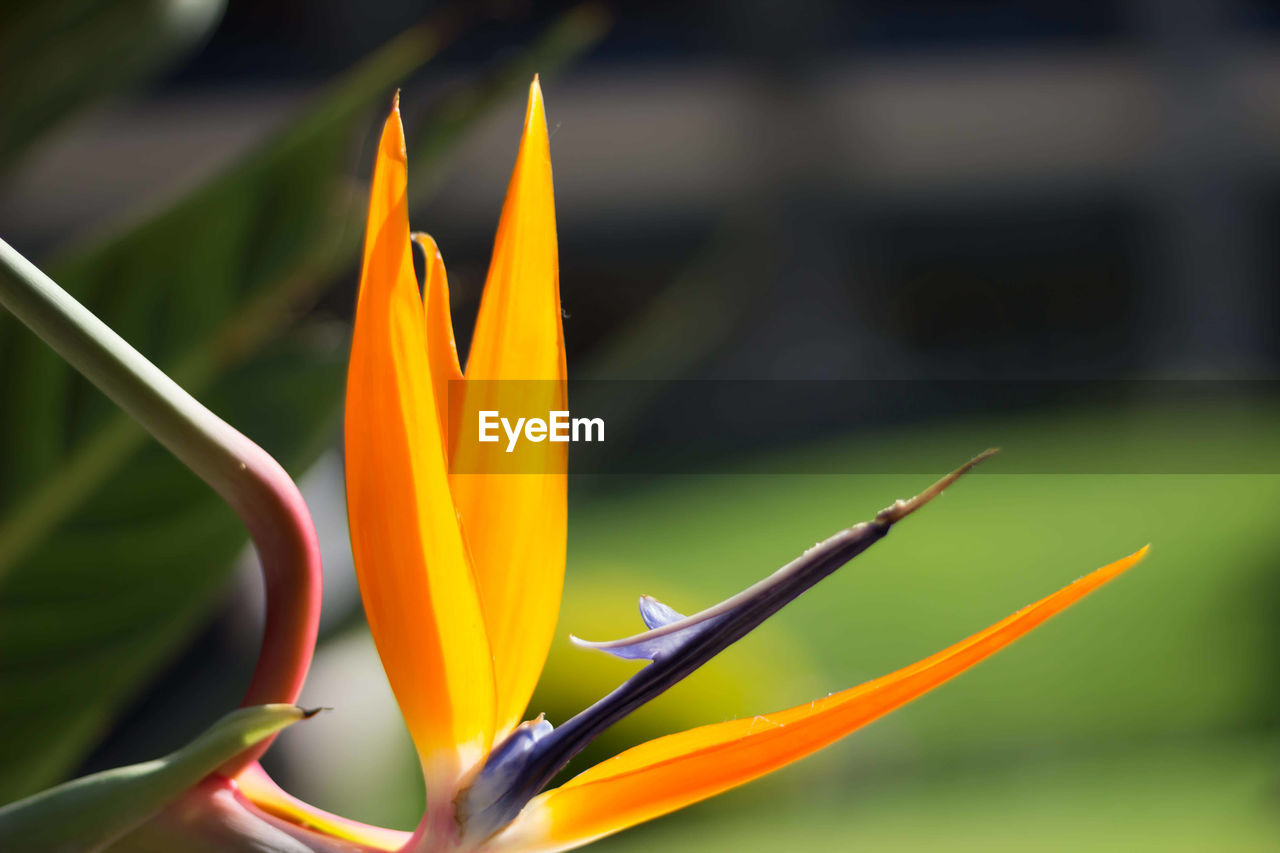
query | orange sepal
[410, 555]
[516, 522]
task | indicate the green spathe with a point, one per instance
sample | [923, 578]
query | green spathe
[89, 813]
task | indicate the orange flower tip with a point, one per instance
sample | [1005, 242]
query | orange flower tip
[426, 243]
[393, 145]
[1141, 553]
[901, 509]
[536, 107]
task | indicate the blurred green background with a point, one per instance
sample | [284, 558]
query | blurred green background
[810, 190]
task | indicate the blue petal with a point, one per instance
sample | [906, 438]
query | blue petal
[656, 614]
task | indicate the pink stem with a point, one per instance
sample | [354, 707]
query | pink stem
[269, 503]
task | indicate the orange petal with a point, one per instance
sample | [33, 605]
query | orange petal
[411, 559]
[515, 523]
[256, 786]
[442, 351]
[669, 773]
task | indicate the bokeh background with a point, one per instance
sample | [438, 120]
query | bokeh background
[872, 190]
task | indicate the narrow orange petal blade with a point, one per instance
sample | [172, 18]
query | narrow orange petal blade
[671, 772]
[516, 522]
[442, 350]
[410, 555]
[258, 788]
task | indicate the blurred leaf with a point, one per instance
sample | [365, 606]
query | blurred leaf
[91, 812]
[110, 552]
[58, 55]
[196, 288]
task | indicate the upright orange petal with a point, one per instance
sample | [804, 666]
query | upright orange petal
[669, 773]
[411, 559]
[442, 351]
[515, 522]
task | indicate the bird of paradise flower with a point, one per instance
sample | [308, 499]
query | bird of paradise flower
[461, 573]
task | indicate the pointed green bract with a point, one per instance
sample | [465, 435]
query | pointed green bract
[89, 813]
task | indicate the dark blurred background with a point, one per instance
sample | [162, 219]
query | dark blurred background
[752, 191]
[1077, 188]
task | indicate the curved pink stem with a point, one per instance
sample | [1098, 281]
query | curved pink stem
[246, 477]
[272, 508]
